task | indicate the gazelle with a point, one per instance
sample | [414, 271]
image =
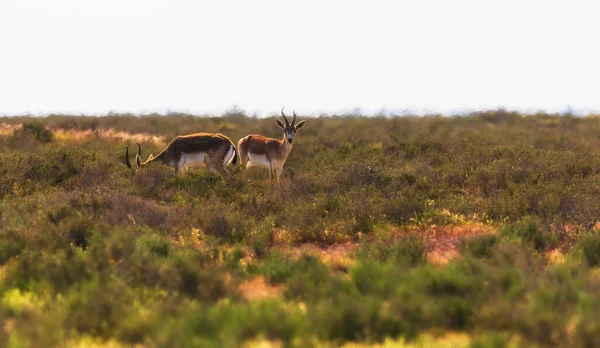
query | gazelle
[212, 149]
[257, 150]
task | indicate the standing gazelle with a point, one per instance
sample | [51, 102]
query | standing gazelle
[212, 149]
[257, 150]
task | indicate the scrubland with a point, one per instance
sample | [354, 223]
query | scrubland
[479, 230]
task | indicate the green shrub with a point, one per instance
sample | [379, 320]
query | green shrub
[262, 238]
[348, 318]
[408, 250]
[374, 278]
[79, 231]
[96, 307]
[61, 269]
[479, 246]
[10, 245]
[37, 130]
[156, 245]
[588, 246]
[310, 279]
[204, 284]
[232, 324]
[528, 232]
[403, 208]
[229, 226]
[277, 268]
[57, 165]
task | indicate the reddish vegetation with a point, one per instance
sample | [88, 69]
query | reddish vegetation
[257, 289]
[331, 253]
[441, 241]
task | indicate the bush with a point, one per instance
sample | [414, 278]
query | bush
[262, 238]
[309, 280]
[36, 130]
[10, 246]
[277, 268]
[55, 166]
[373, 278]
[529, 234]
[232, 324]
[218, 222]
[96, 307]
[479, 246]
[409, 250]
[349, 318]
[156, 245]
[589, 247]
[60, 270]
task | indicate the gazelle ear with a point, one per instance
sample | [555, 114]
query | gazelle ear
[300, 124]
[280, 124]
[138, 161]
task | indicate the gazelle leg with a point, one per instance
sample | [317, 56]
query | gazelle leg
[216, 162]
[221, 170]
[180, 164]
[271, 170]
[227, 173]
[276, 171]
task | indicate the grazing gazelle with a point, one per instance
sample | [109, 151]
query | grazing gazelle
[257, 150]
[212, 149]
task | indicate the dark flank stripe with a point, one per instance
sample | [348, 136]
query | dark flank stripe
[211, 143]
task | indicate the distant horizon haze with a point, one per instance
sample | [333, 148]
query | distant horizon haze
[318, 58]
[567, 110]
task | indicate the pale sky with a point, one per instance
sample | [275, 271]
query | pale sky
[203, 57]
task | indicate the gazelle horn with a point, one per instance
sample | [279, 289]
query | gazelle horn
[294, 119]
[127, 156]
[287, 123]
[138, 157]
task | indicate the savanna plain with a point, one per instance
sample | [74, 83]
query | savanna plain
[471, 231]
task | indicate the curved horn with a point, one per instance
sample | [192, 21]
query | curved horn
[127, 156]
[138, 157]
[294, 119]
[287, 123]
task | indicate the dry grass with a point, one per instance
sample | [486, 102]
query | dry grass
[258, 289]
[79, 135]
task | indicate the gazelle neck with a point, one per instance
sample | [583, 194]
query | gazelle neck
[285, 146]
[152, 158]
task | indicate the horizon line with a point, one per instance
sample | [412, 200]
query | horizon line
[348, 112]
[352, 112]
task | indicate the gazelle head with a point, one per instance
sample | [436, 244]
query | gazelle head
[289, 129]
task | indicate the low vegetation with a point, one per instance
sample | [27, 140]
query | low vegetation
[478, 230]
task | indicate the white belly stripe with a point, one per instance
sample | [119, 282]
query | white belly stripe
[229, 156]
[192, 159]
[258, 160]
